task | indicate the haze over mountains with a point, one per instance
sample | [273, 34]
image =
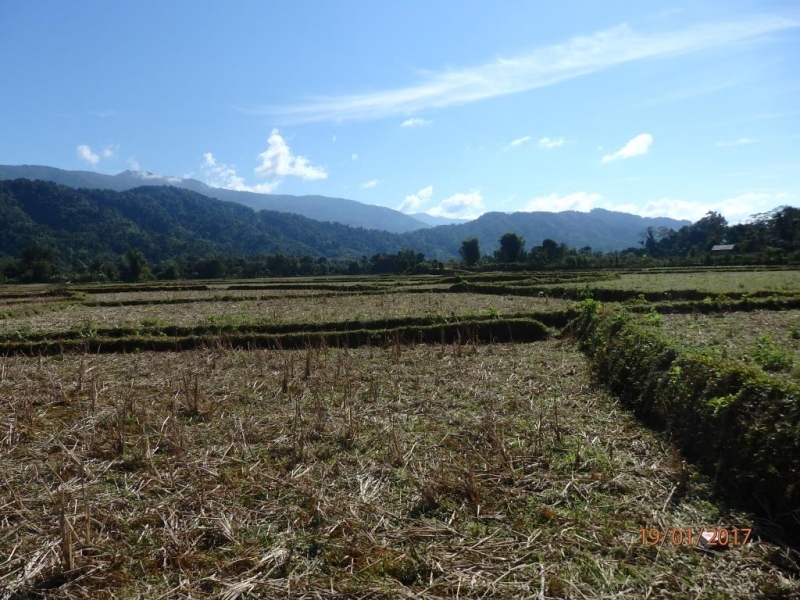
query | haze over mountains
[186, 215]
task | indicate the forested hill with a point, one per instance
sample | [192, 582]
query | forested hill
[600, 229]
[165, 222]
[321, 208]
[168, 222]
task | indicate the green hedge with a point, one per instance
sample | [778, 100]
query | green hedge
[741, 425]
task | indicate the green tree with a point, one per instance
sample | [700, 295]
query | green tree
[470, 251]
[512, 248]
[134, 267]
[37, 264]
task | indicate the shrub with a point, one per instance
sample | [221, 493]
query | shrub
[772, 357]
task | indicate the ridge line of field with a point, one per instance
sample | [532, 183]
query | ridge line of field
[485, 330]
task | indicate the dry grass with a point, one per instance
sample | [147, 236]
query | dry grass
[277, 310]
[428, 471]
[713, 282]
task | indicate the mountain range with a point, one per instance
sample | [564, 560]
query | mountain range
[320, 208]
[91, 212]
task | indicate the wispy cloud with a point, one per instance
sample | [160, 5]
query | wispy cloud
[354, 156]
[370, 184]
[519, 141]
[636, 147]
[580, 201]
[413, 202]
[278, 161]
[415, 122]
[551, 143]
[161, 178]
[739, 142]
[467, 205]
[541, 67]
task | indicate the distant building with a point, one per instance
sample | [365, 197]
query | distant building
[722, 247]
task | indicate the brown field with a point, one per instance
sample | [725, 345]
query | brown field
[425, 471]
[433, 471]
[310, 309]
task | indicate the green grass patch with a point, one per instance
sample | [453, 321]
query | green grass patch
[739, 423]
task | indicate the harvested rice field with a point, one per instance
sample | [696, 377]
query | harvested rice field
[306, 309]
[427, 471]
[767, 339]
[376, 467]
[710, 281]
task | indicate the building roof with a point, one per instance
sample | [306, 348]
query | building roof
[722, 247]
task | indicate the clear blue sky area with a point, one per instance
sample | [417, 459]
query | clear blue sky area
[451, 108]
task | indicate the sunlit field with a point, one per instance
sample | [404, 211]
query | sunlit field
[466, 467]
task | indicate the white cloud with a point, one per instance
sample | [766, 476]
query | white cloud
[636, 147]
[551, 143]
[739, 142]
[735, 209]
[370, 184]
[354, 156]
[580, 201]
[414, 122]
[86, 154]
[460, 206]
[224, 176]
[520, 141]
[110, 151]
[413, 202]
[538, 68]
[278, 161]
[133, 164]
[334, 139]
[161, 178]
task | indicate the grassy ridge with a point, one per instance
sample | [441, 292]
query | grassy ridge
[740, 424]
[497, 330]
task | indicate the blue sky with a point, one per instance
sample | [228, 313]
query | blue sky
[452, 108]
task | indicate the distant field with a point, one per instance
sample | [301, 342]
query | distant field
[763, 338]
[712, 281]
[277, 310]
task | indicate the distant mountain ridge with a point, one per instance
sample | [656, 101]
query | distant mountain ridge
[168, 221]
[320, 208]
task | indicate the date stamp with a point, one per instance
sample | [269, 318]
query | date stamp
[704, 537]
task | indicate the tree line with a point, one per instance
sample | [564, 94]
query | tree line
[768, 238]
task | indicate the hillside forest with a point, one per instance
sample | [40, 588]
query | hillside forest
[52, 232]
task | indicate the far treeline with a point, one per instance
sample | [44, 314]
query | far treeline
[50, 232]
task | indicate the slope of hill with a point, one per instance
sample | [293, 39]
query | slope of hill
[321, 208]
[166, 222]
[436, 221]
[600, 229]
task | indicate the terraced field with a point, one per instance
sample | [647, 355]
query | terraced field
[436, 442]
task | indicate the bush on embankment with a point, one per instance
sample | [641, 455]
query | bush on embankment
[741, 425]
